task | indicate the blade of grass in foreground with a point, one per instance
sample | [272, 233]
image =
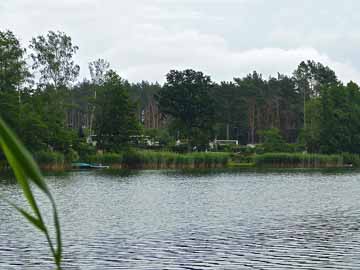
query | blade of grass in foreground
[26, 171]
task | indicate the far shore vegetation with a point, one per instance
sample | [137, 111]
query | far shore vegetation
[308, 119]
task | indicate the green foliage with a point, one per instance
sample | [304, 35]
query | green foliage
[50, 106]
[98, 69]
[115, 114]
[9, 108]
[13, 68]
[333, 125]
[49, 158]
[181, 148]
[311, 134]
[230, 109]
[186, 98]
[160, 135]
[245, 150]
[84, 149]
[27, 172]
[143, 93]
[294, 148]
[139, 159]
[310, 77]
[106, 158]
[53, 57]
[351, 159]
[311, 107]
[298, 160]
[272, 140]
[225, 148]
[72, 156]
[242, 158]
[132, 158]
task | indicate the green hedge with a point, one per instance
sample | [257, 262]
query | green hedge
[298, 160]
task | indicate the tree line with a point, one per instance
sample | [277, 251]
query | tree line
[50, 110]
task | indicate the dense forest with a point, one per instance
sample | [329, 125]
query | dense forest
[42, 100]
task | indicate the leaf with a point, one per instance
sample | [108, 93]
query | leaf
[26, 171]
[33, 220]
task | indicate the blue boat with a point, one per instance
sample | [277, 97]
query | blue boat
[88, 166]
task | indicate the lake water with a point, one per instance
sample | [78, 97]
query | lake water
[173, 220]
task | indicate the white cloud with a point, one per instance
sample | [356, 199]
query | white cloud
[145, 39]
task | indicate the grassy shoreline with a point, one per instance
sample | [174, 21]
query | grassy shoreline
[161, 160]
[298, 160]
[158, 160]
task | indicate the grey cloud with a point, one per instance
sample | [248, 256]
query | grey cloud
[144, 39]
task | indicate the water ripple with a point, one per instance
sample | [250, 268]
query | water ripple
[156, 220]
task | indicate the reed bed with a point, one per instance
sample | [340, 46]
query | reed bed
[106, 158]
[351, 159]
[161, 160]
[298, 160]
[50, 160]
[171, 160]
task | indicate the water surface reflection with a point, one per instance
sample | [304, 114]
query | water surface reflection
[176, 220]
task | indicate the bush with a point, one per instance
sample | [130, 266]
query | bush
[49, 158]
[293, 148]
[243, 149]
[272, 140]
[259, 149]
[72, 156]
[85, 150]
[225, 148]
[160, 135]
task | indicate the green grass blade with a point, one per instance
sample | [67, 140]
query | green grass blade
[20, 157]
[33, 220]
[26, 171]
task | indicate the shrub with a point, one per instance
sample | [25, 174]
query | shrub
[243, 149]
[72, 156]
[293, 148]
[49, 158]
[85, 150]
[272, 140]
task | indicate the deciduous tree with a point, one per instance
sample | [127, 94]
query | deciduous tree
[186, 98]
[52, 56]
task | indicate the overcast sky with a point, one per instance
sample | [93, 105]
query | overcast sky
[144, 39]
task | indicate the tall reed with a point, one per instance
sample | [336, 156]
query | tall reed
[298, 160]
[164, 160]
[106, 158]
